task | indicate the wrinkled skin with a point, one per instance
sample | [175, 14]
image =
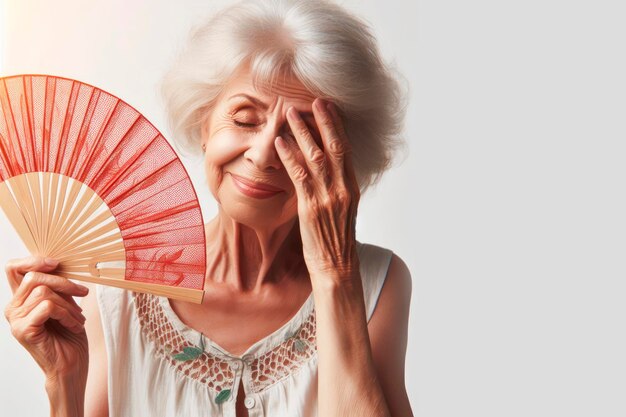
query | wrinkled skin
[316, 209]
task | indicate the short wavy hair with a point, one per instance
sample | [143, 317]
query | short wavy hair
[329, 50]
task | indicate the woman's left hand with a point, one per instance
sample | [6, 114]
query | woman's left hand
[327, 191]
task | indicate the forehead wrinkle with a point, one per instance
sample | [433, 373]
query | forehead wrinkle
[291, 88]
[254, 100]
[292, 92]
[267, 95]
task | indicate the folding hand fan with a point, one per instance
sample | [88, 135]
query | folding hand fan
[89, 181]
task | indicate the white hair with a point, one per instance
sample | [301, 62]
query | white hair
[330, 51]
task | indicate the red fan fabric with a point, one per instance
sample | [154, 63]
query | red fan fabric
[59, 125]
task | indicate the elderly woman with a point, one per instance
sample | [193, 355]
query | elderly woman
[296, 115]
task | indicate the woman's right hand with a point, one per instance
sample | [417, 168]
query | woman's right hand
[46, 320]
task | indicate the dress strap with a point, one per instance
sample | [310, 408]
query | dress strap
[374, 263]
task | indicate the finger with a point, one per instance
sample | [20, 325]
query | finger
[296, 171]
[57, 284]
[346, 147]
[333, 143]
[42, 293]
[313, 156]
[47, 310]
[17, 268]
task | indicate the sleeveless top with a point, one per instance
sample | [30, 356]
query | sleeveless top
[157, 366]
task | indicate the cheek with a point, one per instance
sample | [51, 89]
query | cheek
[221, 149]
[224, 146]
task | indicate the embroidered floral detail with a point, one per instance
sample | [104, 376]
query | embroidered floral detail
[191, 352]
[215, 369]
[298, 344]
[208, 369]
[222, 396]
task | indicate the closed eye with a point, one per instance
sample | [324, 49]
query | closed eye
[242, 124]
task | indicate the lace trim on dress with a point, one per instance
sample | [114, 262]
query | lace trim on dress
[212, 367]
[285, 358]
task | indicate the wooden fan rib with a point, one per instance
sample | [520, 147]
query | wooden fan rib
[52, 209]
[112, 242]
[67, 234]
[76, 240]
[17, 219]
[106, 257]
[68, 205]
[117, 273]
[46, 210]
[34, 186]
[92, 238]
[95, 254]
[25, 203]
[178, 293]
[59, 197]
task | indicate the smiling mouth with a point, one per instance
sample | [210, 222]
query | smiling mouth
[254, 189]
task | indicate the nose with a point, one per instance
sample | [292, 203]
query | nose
[262, 152]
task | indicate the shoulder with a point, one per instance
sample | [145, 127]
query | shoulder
[399, 278]
[388, 334]
[395, 294]
[374, 259]
[383, 265]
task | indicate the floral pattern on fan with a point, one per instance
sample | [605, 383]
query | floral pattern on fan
[88, 180]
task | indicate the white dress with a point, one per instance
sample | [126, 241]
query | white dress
[159, 367]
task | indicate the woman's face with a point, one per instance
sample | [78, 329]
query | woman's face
[239, 137]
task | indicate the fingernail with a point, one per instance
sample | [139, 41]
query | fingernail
[293, 113]
[320, 105]
[28, 277]
[281, 143]
[331, 108]
[83, 289]
[51, 262]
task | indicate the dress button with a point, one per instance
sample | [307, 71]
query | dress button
[249, 402]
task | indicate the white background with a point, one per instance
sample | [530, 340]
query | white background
[509, 208]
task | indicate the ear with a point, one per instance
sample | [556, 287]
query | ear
[204, 130]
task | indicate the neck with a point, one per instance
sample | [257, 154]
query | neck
[244, 258]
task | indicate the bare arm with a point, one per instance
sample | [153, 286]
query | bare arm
[388, 330]
[347, 383]
[361, 370]
[96, 392]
